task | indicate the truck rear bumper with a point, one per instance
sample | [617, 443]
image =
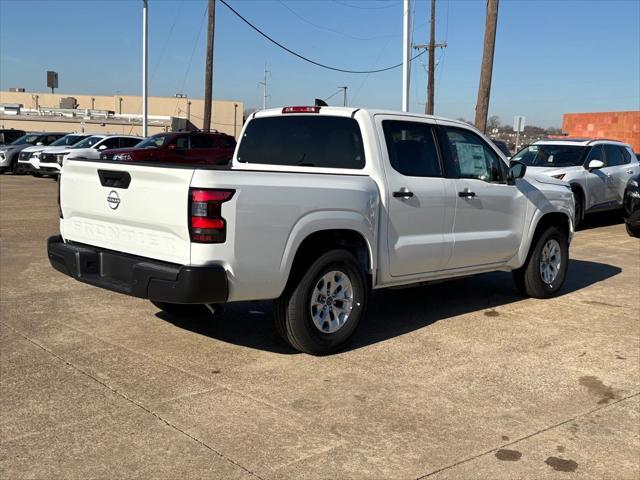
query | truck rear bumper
[137, 276]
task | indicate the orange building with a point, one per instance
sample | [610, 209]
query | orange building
[623, 126]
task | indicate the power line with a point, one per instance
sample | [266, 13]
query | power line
[321, 27]
[302, 57]
[195, 45]
[345, 4]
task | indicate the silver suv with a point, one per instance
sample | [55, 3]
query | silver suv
[596, 169]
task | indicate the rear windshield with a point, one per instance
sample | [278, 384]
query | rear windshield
[303, 140]
[548, 155]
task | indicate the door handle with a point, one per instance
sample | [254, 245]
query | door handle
[466, 193]
[403, 193]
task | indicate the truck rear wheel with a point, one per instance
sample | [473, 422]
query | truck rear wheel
[545, 269]
[321, 310]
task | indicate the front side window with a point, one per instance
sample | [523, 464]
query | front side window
[472, 157]
[595, 153]
[412, 148]
[110, 143]
[613, 153]
[303, 140]
[550, 155]
[49, 139]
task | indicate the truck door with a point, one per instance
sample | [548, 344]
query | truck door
[490, 214]
[420, 200]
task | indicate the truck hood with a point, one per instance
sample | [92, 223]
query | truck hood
[543, 175]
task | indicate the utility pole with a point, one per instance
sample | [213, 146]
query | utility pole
[208, 71]
[344, 97]
[484, 89]
[144, 69]
[406, 21]
[431, 47]
[264, 87]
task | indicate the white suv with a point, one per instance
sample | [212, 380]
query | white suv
[89, 148]
[596, 169]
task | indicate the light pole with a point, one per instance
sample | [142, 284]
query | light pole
[406, 20]
[235, 118]
[144, 67]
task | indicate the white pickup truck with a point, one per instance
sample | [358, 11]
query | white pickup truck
[319, 206]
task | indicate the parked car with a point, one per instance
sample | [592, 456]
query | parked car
[502, 146]
[9, 135]
[88, 148]
[200, 148]
[30, 158]
[631, 204]
[47, 162]
[597, 170]
[9, 153]
[319, 206]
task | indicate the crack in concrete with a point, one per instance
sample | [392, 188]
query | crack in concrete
[132, 401]
[546, 429]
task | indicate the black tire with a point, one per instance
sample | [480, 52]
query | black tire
[293, 317]
[632, 230]
[528, 278]
[180, 309]
[579, 202]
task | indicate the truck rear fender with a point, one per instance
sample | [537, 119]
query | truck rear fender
[320, 231]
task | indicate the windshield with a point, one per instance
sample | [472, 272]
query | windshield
[29, 138]
[551, 155]
[88, 142]
[155, 141]
[68, 140]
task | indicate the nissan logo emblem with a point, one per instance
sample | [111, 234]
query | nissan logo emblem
[113, 199]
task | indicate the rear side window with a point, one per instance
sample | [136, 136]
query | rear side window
[201, 141]
[412, 148]
[129, 142]
[303, 140]
[614, 155]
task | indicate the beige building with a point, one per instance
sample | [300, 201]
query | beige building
[41, 111]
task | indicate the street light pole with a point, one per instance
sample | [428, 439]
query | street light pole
[144, 67]
[406, 19]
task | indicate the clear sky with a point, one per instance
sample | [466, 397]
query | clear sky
[552, 56]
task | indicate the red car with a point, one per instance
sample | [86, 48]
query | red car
[208, 148]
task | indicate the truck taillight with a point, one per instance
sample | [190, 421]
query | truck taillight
[206, 224]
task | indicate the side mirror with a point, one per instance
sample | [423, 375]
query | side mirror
[171, 146]
[39, 143]
[595, 164]
[102, 147]
[516, 170]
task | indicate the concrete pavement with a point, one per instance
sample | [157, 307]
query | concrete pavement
[463, 379]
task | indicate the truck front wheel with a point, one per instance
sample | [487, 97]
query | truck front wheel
[545, 269]
[321, 310]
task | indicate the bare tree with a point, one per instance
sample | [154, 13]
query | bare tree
[493, 122]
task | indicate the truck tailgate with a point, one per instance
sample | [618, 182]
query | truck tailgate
[141, 210]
